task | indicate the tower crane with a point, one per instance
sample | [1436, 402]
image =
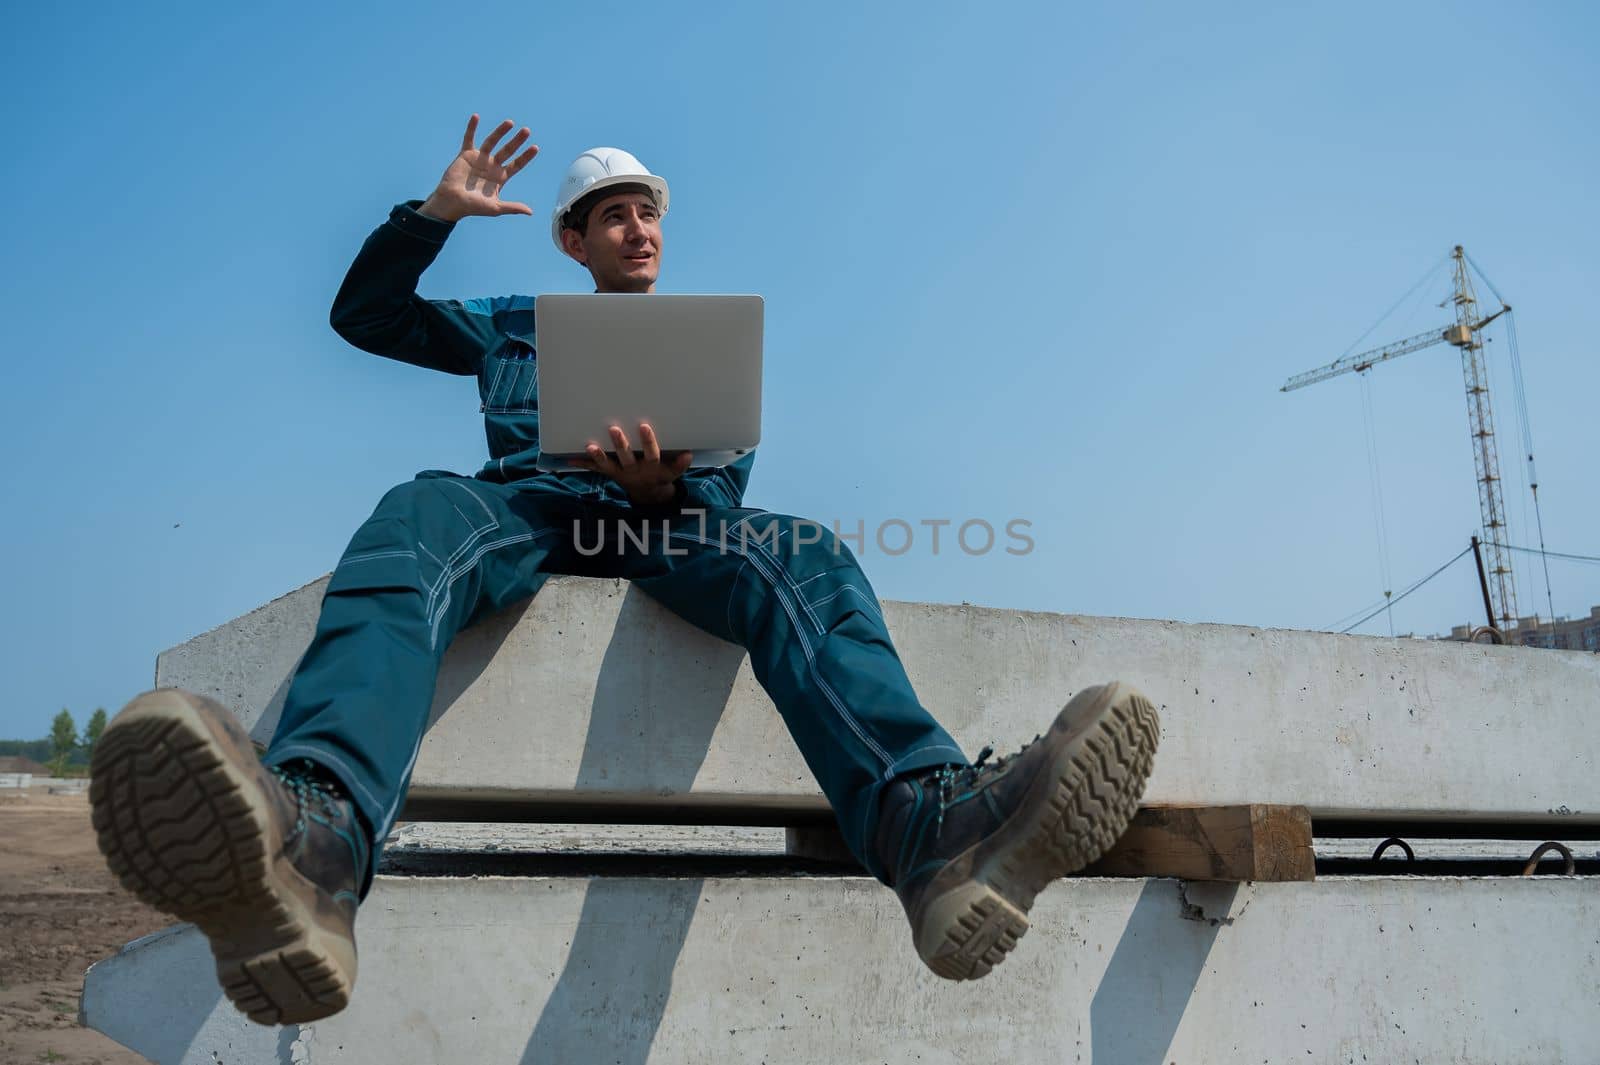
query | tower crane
[1464, 334]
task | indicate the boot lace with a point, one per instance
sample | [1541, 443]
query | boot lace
[308, 789]
[968, 777]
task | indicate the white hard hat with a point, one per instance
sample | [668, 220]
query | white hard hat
[600, 168]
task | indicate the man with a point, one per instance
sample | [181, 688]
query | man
[271, 857]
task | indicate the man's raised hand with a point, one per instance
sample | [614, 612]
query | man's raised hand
[471, 184]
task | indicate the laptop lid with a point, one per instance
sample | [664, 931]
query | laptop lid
[688, 365]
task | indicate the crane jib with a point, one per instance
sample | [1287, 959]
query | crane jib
[1463, 334]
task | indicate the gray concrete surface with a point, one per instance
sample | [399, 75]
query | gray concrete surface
[788, 971]
[594, 693]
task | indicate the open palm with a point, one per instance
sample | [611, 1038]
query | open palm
[472, 183]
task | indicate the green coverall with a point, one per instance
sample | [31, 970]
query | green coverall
[443, 550]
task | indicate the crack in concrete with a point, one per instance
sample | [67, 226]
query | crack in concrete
[294, 1044]
[1190, 911]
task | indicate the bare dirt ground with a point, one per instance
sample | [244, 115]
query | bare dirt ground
[60, 912]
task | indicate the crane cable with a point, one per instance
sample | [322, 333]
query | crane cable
[1339, 625]
[1550, 554]
[1375, 470]
[1526, 424]
[1413, 587]
[1423, 280]
[1527, 444]
[1372, 610]
[1369, 421]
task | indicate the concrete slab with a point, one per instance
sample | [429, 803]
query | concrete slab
[469, 839]
[803, 970]
[457, 848]
[591, 701]
[1508, 850]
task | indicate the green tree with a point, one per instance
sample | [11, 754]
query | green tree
[97, 725]
[63, 739]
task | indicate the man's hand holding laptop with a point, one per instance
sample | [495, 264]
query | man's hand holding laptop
[648, 479]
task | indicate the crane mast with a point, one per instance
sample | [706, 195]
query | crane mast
[1485, 454]
[1465, 335]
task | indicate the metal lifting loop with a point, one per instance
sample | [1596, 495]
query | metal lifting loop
[1394, 841]
[1546, 848]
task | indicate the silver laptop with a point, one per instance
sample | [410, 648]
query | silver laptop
[688, 365]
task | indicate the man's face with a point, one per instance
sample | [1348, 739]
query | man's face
[622, 245]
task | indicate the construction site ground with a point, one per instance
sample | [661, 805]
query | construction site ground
[60, 911]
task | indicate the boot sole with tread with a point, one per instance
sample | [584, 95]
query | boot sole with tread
[1078, 805]
[186, 828]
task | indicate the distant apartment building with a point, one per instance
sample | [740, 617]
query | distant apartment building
[1565, 634]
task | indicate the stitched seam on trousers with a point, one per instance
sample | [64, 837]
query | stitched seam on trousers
[805, 643]
[810, 653]
[373, 555]
[433, 591]
[895, 768]
[474, 497]
[463, 514]
[783, 570]
[444, 576]
[453, 575]
[797, 546]
[433, 557]
[811, 657]
[405, 781]
[759, 546]
[727, 608]
[865, 599]
[465, 567]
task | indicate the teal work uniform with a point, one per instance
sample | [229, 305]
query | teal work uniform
[443, 550]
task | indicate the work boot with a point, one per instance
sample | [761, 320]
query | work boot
[966, 848]
[267, 862]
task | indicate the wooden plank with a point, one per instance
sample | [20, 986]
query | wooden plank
[821, 843]
[1255, 841]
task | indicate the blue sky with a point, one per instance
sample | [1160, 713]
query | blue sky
[1020, 261]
